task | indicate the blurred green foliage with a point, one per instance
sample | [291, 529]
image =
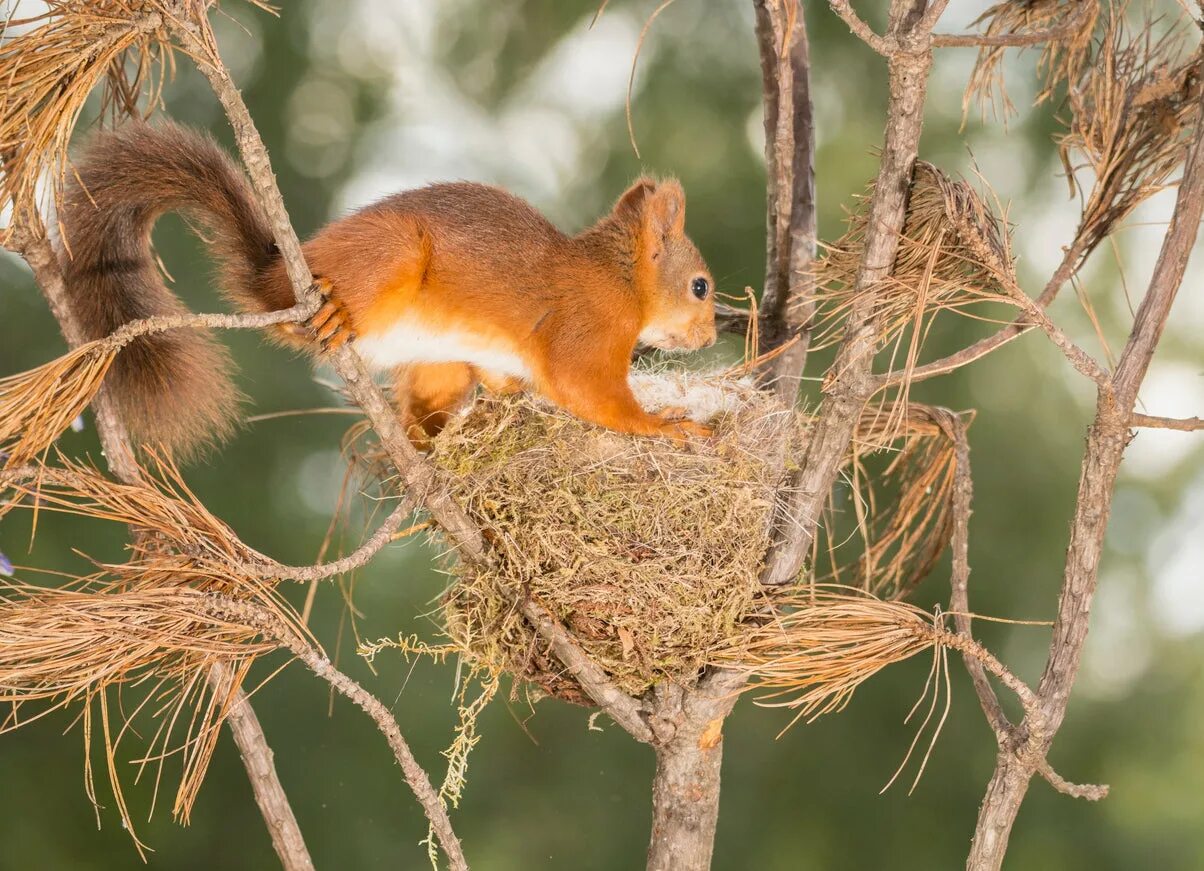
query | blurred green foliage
[355, 97]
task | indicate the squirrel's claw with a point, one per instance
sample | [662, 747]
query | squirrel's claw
[330, 324]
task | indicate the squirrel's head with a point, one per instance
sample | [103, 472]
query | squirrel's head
[675, 288]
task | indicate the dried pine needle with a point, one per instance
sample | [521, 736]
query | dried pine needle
[953, 253]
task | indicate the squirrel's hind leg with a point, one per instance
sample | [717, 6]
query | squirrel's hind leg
[428, 394]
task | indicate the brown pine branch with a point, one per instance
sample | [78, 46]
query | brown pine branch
[1066, 269]
[1106, 441]
[253, 748]
[1011, 40]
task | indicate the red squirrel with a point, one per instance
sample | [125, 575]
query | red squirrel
[448, 286]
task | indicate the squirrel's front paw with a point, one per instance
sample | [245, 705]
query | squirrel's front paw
[331, 324]
[681, 430]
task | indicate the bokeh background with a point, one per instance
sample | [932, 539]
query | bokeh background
[359, 98]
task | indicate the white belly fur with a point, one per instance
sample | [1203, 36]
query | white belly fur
[411, 342]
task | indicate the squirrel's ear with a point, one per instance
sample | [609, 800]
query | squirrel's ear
[665, 211]
[630, 206]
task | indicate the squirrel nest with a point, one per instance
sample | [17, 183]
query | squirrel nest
[646, 550]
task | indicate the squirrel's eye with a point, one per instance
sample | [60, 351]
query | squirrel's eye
[700, 287]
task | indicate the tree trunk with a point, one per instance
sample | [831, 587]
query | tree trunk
[999, 808]
[685, 803]
[685, 792]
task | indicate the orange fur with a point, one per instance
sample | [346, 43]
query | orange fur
[472, 259]
[449, 286]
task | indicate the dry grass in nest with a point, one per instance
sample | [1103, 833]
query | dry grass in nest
[954, 252]
[646, 550]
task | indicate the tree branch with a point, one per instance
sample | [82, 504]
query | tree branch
[263, 620]
[259, 761]
[619, 706]
[1011, 40]
[1183, 424]
[252, 744]
[1106, 443]
[788, 300]
[959, 599]
[849, 383]
[860, 29]
[1018, 327]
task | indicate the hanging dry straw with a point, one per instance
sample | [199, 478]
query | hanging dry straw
[152, 627]
[159, 506]
[954, 253]
[1134, 109]
[132, 652]
[1061, 28]
[37, 406]
[821, 643]
[52, 61]
[51, 66]
[646, 550]
[902, 512]
[814, 646]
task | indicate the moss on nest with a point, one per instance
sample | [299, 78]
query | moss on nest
[646, 550]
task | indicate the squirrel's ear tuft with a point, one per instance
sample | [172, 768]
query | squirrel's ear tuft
[666, 210]
[630, 206]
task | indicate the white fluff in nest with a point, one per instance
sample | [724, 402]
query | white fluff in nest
[698, 396]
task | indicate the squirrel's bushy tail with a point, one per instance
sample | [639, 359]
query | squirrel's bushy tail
[173, 389]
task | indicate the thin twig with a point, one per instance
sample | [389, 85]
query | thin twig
[959, 606]
[418, 476]
[361, 556]
[1007, 40]
[1005, 334]
[959, 599]
[415, 776]
[619, 706]
[860, 29]
[1183, 424]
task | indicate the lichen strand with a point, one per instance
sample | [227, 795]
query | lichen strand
[647, 551]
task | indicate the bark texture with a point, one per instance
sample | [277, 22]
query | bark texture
[685, 791]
